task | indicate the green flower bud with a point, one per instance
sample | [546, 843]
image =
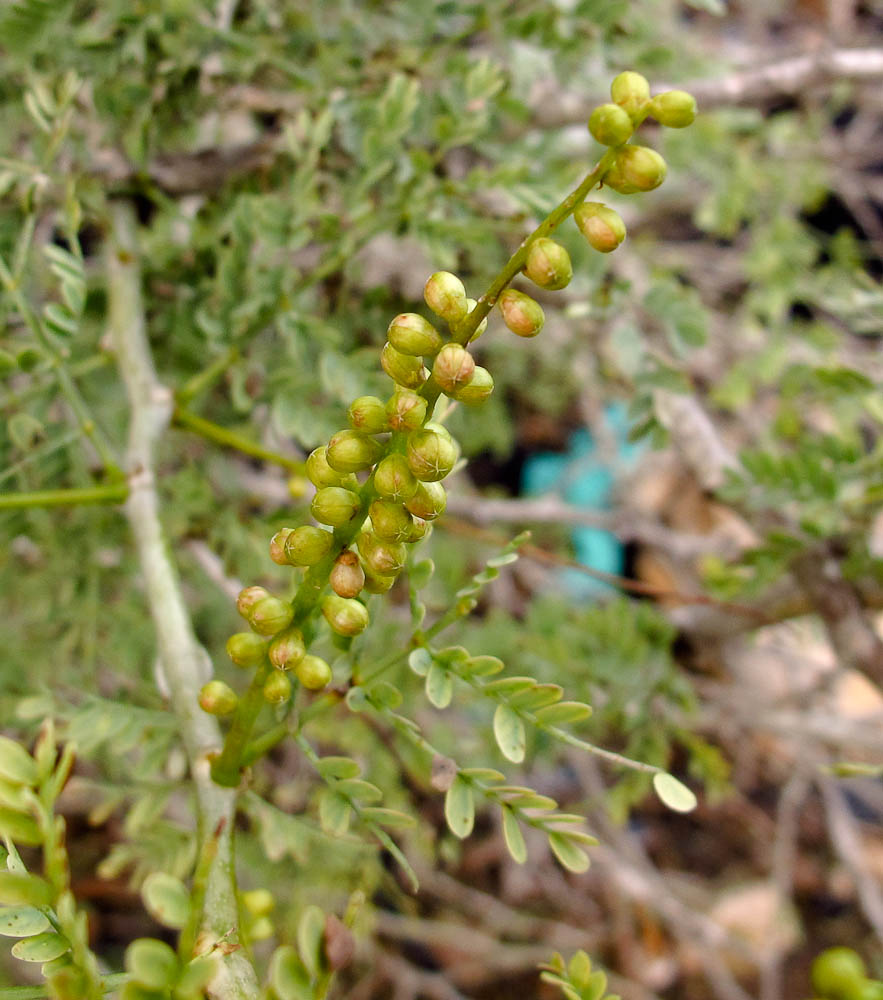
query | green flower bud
[404, 370]
[350, 451]
[347, 576]
[482, 326]
[259, 902]
[453, 367]
[428, 502]
[287, 649]
[548, 264]
[297, 487]
[631, 91]
[420, 529]
[381, 558]
[320, 472]
[277, 547]
[218, 698]
[248, 598]
[277, 688]
[335, 506]
[270, 616]
[375, 584]
[445, 295]
[346, 617]
[307, 545]
[639, 168]
[601, 226]
[393, 479]
[431, 456]
[246, 649]
[611, 125]
[522, 314]
[480, 386]
[674, 108]
[368, 415]
[313, 672]
[405, 410]
[439, 428]
[390, 521]
[412, 335]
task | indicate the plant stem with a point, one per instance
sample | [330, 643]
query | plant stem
[185, 663]
[113, 493]
[203, 379]
[230, 439]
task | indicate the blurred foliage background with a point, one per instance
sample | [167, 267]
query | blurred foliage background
[298, 170]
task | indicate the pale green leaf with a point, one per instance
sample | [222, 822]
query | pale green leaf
[513, 836]
[673, 793]
[460, 807]
[572, 857]
[509, 733]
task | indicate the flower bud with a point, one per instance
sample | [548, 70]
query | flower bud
[259, 902]
[368, 415]
[411, 334]
[248, 598]
[431, 456]
[420, 529]
[313, 672]
[404, 370]
[522, 314]
[277, 547]
[453, 367]
[446, 296]
[639, 168]
[335, 506]
[320, 472]
[346, 617]
[375, 584]
[428, 502]
[548, 264]
[482, 326]
[307, 545]
[480, 386]
[287, 649]
[381, 558]
[270, 616]
[218, 698]
[611, 125]
[297, 486]
[246, 649]
[601, 225]
[630, 90]
[393, 479]
[350, 451]
[347, 576]
[390, 521]
[277, 688]
[674, 108]
[405, 410]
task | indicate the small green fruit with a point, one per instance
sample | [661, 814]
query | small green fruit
[602, 226]
[313, 672]
[611, 125]
[277, 547]
[350, 451]
[346, 617]
[674, 108]
[838, 974]
[431, 456]
[390, 521]
[640, 169]
[307, 545]
[246, 649]
[403, 369]
[218, 698]
[631, 91]
[445, 295]
[522, 314]
[335, 506]
[411, 334]
[548, 264]
[479, 388]
[277, 688]
[368, 415]
[428, 502]
[270, 616]
[405, 410]
[320, 472]
[381, 558]
[287, 649]
[248, 598]
[347, 576]
[453, 367]
[393, 479]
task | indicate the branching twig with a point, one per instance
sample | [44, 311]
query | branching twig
[183, 659]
